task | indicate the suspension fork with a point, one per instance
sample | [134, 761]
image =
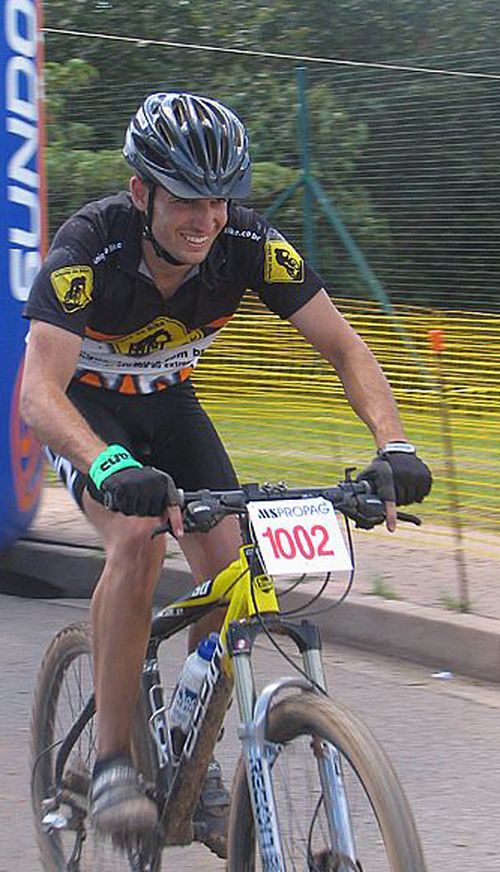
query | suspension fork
[330, 772]
[257, 753]
[260, 754]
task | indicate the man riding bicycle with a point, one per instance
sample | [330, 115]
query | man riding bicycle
[133, 289]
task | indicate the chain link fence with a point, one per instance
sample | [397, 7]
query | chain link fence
[408, 242]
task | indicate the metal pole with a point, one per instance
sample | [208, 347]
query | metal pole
[364, 269]
[313, 191]
[437, 345]
[307, 200]
[283, 197]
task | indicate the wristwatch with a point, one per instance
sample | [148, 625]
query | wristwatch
[397, 448]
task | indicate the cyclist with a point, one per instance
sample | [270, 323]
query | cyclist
[134, 287]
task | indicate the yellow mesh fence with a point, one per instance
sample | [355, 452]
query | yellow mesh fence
[282, 414]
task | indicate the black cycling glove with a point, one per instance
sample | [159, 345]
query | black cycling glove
[411, 476]
[123, 485]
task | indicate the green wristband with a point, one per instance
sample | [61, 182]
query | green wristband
[112, 459]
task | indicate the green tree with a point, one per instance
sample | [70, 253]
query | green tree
[75, 153]
[77, 170]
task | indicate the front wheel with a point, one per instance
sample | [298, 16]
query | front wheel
[382, 825]
[65, 838]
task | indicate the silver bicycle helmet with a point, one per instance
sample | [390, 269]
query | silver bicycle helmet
[192, 146]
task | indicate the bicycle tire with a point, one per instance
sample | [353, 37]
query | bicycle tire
[69, 654]
[308, 715]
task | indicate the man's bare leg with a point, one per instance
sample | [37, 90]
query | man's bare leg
[120, 618]
[207, 554]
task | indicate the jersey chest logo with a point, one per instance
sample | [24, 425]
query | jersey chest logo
[162, 333]
[73, 286]
[282, 263]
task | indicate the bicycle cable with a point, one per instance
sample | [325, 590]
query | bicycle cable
[38, 759]
[204, 610]
[302, 609]
[325, 856]
[313, 599]
[306, 614]
[310, 857]
[292, 587]
[276, 645]
[288, 590]
[348, 586]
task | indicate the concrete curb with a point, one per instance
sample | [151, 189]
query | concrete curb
[466, 644]
[34, 568]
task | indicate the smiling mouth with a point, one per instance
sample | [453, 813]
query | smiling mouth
[195, 240]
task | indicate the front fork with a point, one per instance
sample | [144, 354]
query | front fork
[260, 754]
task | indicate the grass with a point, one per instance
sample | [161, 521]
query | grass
[382, 589]
[279, 447]
[453, 603]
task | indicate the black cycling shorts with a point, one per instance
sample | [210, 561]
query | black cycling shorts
[168, 429]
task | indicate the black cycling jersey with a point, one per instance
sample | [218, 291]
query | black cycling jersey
[94, 283]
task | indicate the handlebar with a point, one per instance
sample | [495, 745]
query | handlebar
[204, 509]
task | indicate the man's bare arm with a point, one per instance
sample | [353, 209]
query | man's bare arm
[51, 359]
[365, 385]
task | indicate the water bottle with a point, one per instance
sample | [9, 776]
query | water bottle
[189, 684]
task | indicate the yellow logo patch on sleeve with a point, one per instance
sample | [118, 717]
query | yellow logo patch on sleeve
[73, 286]
[282, 263]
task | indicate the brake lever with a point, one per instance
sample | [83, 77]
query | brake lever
[369, 523]
[411, 519]
[166, 527]
[197, 517]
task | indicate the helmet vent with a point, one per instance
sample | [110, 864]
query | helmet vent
[179, 112]
[165, 133]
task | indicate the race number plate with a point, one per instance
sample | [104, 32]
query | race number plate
[297, 536]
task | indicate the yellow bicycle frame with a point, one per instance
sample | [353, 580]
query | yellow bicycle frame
[243, 585]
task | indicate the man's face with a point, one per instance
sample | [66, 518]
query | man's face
[185, 228]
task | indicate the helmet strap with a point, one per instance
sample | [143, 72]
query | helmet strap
[147, 232]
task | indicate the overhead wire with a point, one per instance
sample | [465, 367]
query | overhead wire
[146, 41]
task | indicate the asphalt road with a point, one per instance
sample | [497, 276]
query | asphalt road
[442, 735]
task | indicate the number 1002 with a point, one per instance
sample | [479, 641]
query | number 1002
[286, 543]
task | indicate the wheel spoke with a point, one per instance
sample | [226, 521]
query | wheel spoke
[64, 686]
[381, 821]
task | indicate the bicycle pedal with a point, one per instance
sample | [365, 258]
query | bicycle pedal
[49, 804]
[55, 820]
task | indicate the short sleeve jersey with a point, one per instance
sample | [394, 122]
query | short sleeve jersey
[93, 283]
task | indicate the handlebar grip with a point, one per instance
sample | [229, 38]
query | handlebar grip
[234, 500]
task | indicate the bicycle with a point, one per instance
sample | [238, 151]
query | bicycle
[339, 807]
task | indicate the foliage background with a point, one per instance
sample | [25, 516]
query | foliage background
[409, 159]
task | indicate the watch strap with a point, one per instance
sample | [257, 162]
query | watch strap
[396, 447]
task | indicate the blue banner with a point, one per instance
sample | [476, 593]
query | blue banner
[22, 223]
